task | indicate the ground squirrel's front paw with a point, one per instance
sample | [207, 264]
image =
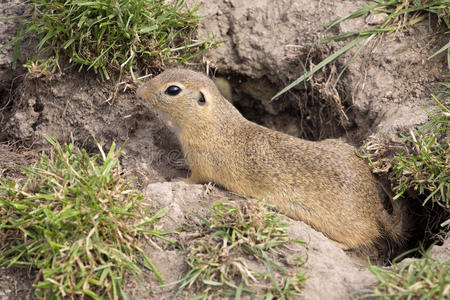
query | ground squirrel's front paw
[178, 179]
[190, 180]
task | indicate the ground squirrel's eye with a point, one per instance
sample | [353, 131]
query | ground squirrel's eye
[201, 99]
[173, 90]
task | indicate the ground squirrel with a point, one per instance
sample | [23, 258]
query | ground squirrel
[321, 183]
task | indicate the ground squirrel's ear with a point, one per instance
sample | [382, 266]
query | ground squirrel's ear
[172, 90]
[201, 99]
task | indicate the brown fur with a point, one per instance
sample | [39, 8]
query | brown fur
[321, 183]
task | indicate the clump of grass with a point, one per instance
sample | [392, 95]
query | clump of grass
[41, 67]
[426, 169]
[109, 36]
[398, 14]
[217, 256]
[423, 167]
[75, 220]
[418, 162]
[424, 278]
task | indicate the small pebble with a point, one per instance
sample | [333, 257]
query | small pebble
[376, 19]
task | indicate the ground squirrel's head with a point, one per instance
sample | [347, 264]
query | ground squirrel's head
[187, 99]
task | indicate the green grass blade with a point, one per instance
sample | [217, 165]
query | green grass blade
[319, 66]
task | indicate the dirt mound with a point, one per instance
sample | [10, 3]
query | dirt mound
[384, 89]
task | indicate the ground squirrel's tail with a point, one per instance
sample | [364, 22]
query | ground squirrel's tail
[396, 220]
[397, 223]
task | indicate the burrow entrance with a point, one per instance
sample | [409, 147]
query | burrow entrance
[304, 111]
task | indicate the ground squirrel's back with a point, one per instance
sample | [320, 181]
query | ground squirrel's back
[321, 183]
